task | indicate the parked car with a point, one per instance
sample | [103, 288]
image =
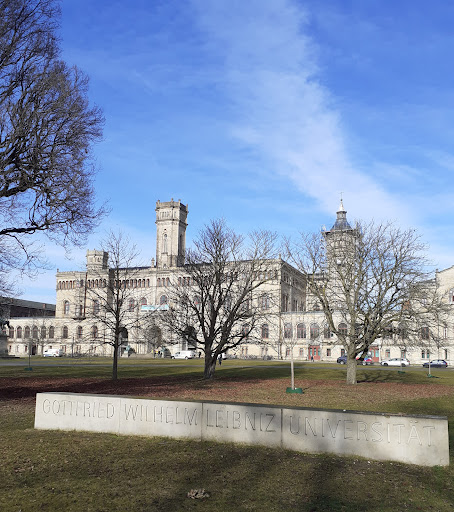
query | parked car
[366, 361]
[396, 361]
[53, 352]
[185, 354]
[436, 363]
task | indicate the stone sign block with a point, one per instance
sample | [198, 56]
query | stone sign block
[242, 423]
[419, 440]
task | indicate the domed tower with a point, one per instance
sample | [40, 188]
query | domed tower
[340, 239]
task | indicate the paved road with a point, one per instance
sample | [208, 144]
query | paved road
[68, 362]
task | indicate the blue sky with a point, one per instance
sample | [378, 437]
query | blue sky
[263, 112]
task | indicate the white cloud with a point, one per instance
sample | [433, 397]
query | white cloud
[282, 108]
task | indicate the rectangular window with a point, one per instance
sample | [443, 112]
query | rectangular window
[328, 352]
[387, 353]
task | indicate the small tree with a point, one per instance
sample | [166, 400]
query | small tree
[47, 130]
[366, 280]
[213, 303]
[115, 303]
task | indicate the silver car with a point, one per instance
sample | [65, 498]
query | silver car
[396, 361]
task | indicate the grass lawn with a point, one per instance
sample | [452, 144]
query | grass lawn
[79, 471]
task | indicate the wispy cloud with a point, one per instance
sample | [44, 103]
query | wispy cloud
[282, 107]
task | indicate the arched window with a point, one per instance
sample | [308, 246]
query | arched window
[27, 332]
[43, 332]
[65, 332]
[265, 332]
[94, 332]
[163, 300]
[342, 327]
[425, 333]
[66, 307]
[301, 331]
[51, 332]
[11, 332]
[34, 332]
[95, 306]
[265, 301]
[158, 282]
[80, 332]
[316, 306]
[451, 296]
[131, 304]
[164, 243]
[288, 330]
[245, 330]
[19, 332]
[326, 332]
[315, 331]
[143, 301]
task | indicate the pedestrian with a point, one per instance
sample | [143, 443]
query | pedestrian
[220, 359]
[312, 359]
[200, 354]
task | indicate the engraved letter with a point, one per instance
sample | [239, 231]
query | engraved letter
[379, 424]
[291, 430]
[236, 419]
[348, 429]
[208, 424]
[429, 428]
[307, 424]
[414, 435]
[333, 434]
[271, 419]
[361, 429]
[250, 421]
[399, 426]
[191, 419]
[46, 406]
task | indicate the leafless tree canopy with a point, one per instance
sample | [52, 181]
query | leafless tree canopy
[114, 305]
[370, 281]
[47, 129]
[213, 304]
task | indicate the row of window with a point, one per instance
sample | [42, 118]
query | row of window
[95, 306]
[48, 333]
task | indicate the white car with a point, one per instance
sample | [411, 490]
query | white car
[185, 354]
[53, 352]
[396, 361]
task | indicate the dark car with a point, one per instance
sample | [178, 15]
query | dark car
[437, 363]
[366, 361]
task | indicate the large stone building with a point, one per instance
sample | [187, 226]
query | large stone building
[294, 324]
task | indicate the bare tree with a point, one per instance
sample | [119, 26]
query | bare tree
[213, 303]
[115, 303]
[47, 130]
[367, 281]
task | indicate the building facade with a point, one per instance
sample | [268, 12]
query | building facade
[293, 324]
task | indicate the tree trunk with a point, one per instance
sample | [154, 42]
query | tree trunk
[351, 369]
[210, 366]
[115, 360]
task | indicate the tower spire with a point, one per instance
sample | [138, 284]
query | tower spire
[341, 223]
